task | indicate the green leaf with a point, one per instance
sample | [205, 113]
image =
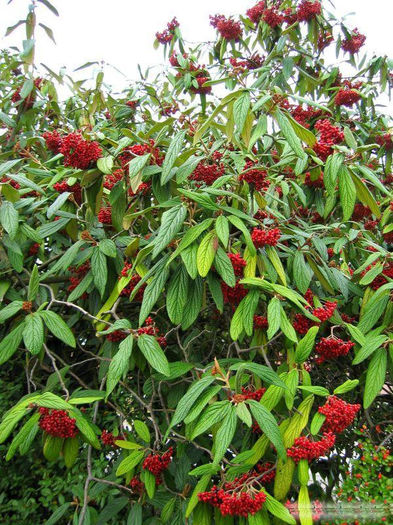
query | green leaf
[243, 317]
[289, 134]
[70, 451]
[240, 110]
[152, 292]
[375, 377]
[199, 487]
[262, 371]
[48, 229]
[317, 390]
[238, 223]
[225, 435]
[292, 382]
[130, 462]
[25, 436]
[347, 191]
[222, 229]
[9, 218]
[364, 194]
[303, 133]
[85, 428]
[190, 236]
[371, 344]
[99, 270]
[105, 164]
[33, 284]
[171, 222]
[58, 327]
[332, 168]
[277, 509]
[286, 326]
[243, 414]
[10, 310]
[187, 401]
[150, 482]
[206, 253]
[194, 303]
[273, 316]
[223, 265]
[347, 386]
[33, 333]
[142, 430]
[301, 272]
[153, 353]
[108, 247]
[177, 295]
[316, 423]
[171, 156]
[135, 167]
[119, 364]
[268, 425]
[305, 345]
[275, 260]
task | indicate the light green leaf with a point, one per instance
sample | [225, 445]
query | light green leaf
[58, 327]
[153, 353]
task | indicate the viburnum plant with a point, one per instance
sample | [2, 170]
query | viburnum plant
[196, 275]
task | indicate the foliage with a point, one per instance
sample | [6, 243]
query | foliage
[196, 275]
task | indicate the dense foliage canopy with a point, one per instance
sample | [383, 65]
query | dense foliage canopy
[196, 278]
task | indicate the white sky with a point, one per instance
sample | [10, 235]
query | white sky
[121, 32]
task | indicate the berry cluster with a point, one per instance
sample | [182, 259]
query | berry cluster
[272, 17]
[75, 189]
[234, 295]
[136, 485]
[113, 178]
[360, 212]
[255, 13]
[260, 322]
[78, 275]
[150, 328]
[329, 136]
[248, 393]
[227, 27]
[324, 40]
[303, 448]
[78, 152]
[105, 215]
[233, 503]
[208, 171]
[354, 42]
[331, 348]
[157, 463]
[137, 150]
[33, 250]
[308, 10]
[131, 285]
[262, 238]
[303, 116]
[339, 414]
[116, 336]
[385, 140]
[302, 324]
[57, 423]
[325, 312]
[167, 35]
[346, 97]
[238, 263]
[255, 177]
[253, 62]
[53, 140]
[313, 182]
[108, 439]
